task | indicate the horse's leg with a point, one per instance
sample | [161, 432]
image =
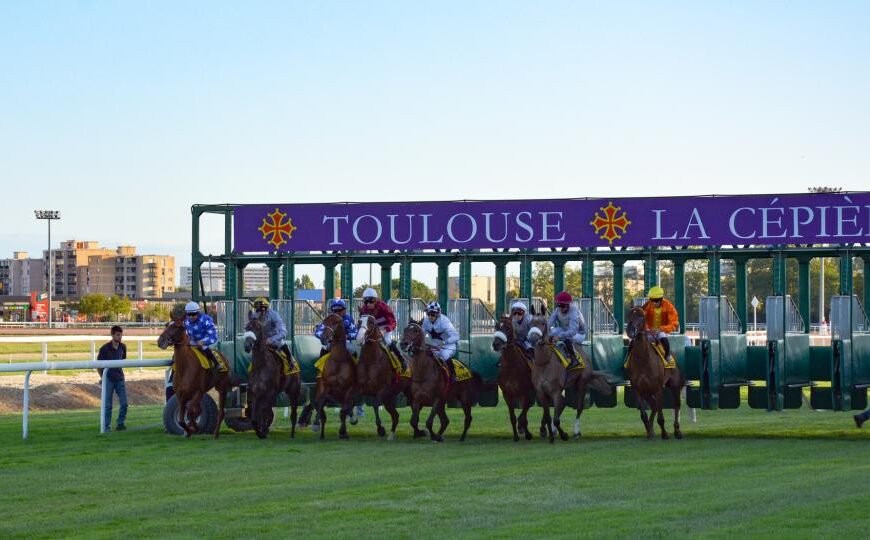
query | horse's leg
[558, 407]
[222, 401]
[390, 406]
[549, 422]
[181, 414]
[194, 409]
[431, 420]
[641, 406]
[294, 404]
[415, 421]
[321, 415]
[660, 401]
[676, 388]
[376, 405]
[346, 407]
[513, 416]
[523, 419]
[466, 408]
[580, 404]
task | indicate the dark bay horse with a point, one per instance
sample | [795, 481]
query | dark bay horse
[429, 387]
[191, 381]
[550, 378]
[649, 376]
[267, 379]
[338, 377]
[376, 377]
[514, 377]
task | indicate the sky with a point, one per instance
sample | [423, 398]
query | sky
[123, 114]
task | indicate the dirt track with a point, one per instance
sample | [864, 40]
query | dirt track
[79, 391]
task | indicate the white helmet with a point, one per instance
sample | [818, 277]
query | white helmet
[518, 305]
[370, 293]
[191, 307]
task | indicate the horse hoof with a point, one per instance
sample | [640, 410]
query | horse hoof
[354, 420]
[552, 440]
[392, 436]
[419, 433]
[462, 439]
[437, 438]
[516, 438]
[563, 435]
[381, 431]
[543, 432]
[262, 435]
[665, 436]
[678, 434]
[528, 436]
[343, 436]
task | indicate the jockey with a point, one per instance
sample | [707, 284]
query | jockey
[274, 329]
[444, 336]
[567, 325]
[339, 307]
[522, 321]
[384, 318]
[661, 317]
[201, 331]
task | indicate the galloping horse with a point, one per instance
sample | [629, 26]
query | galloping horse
[338, 376]
[375, 375]
[649, 376]
[514, 377]
[191, 381]
[430, 387]
[550, 378]
[267, 379]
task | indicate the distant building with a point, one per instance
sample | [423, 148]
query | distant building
[20, 275]
[254, 278]
[482, 287]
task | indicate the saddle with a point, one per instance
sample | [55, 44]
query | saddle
[669, 363]
[396, 363]
[223, 365]
[289, 367]
[566, 361]
[461, 370]
[320, 363]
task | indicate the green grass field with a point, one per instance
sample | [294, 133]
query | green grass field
[800, 474]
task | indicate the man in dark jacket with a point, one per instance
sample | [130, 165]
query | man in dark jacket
[114, 350]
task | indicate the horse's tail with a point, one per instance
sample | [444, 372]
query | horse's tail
[599, 383]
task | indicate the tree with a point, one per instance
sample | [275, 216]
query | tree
[118, 305]
[304, 282]
[93, 305]
[418, 290]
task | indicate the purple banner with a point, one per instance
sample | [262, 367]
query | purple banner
[581, 223]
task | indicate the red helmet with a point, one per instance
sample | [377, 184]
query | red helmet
[563, 298]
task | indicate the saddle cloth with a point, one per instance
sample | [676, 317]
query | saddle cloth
[320, 363]
[669, 362]
[287, 368]
[563, 357]
[396, 363]
[224, 366]
[462, 371]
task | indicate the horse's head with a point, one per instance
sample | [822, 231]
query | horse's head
[413, 337]
[636, 323]
[333, 330]
[253, 331]
[368, 330]
[173, 334]
[538, 330]
[504, 333]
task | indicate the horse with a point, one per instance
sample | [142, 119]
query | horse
[430, 387]
[550, 378]
[514, 377]
[375, 375]
[267, 379]
[338, 376]
[191, 381]
[649, 376]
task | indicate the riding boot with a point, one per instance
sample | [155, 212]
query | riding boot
[451, 369]
[290, 360]
[215, 365]
[395, 350]
[572, 355]
[667, 346]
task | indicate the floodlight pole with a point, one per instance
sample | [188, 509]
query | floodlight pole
[48, 215]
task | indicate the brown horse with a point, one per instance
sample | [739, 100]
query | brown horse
[267, 379]
[338, 377]
[550, 378]
[430, 388]
[649, 376]
[376, 377]
[514, 377]
[191, 381]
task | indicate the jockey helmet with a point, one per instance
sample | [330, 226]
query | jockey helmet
[370, 293]
[191, 307]
[518, 307]
[261, 302]
[563, 298]
[656, 293]
[337, 305]
[433, 307]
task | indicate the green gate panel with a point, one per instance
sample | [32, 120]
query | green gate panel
[484, 362]
[306, 350]
[608, 356]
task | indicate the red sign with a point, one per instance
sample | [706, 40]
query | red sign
[38, 308]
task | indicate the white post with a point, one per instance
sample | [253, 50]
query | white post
[141, 353]
[103, 418]
[93, 351]
[25, 413]
[45, 355]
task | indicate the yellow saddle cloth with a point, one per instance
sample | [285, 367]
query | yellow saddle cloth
[287, 368]
[224, 366]
[581, 364]
[396, 363]
[669, 362]
[320, 363]
[462, 371]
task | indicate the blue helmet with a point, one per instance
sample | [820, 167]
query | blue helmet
[433, 307]
[338, 305]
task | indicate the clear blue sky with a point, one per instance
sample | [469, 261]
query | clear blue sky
[123, 114]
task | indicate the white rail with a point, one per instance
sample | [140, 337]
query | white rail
[29, 367]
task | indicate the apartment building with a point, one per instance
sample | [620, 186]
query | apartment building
[20, 275]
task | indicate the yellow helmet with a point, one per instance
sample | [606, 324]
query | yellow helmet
[261, 302]
[656, 293]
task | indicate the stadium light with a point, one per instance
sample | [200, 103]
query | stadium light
[48, 215]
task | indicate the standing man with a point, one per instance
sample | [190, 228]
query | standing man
[114, 350]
